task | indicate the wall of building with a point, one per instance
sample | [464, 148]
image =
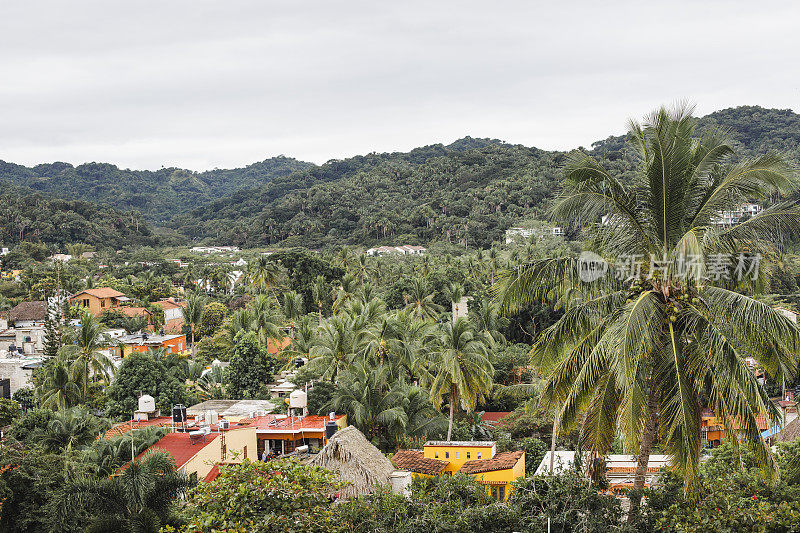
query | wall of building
[457, 455]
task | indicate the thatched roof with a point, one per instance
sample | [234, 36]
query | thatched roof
[790, 432]
[28, 311]
[356, 460]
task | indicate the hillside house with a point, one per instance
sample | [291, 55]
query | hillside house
[141, 342]
[496, 471]
[619, 469]
[173, 314]
[405, 249]
[26, 314]
[95, 301]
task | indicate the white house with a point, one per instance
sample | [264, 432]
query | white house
[405, 249]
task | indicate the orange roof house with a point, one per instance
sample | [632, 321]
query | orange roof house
[98, 300]
[274, 347]
[173, 314]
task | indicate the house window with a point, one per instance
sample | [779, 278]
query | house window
[86, 302]
[102, 303]
[245, 452]
[436, 455]
[468, 455]
[447, 455]
[499, 492]
[458, 455]
[479, 455]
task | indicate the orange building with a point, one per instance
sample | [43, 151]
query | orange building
[496, 471]
[98, 300]
[173, 314]
[712, 427]
[141, 342]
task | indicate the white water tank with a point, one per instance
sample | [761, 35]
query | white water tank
[212, 417]
[298, 400]
[147, 404]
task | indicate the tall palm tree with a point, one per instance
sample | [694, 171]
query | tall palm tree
[84, 353]
[455, 291]
[645, 354]
[264, 275]
[340, 340]
[372, 403]
[420, 301]
[140, 499]
[57, 390]
[459, 368]
[193, 315]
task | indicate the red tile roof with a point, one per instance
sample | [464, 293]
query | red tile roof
[495, 418]
[124, 427]
[212, 475]
[170, 304]
[102, 292]
[286, 424]
[133, 311]
[415, 461]
[180, 446]
[501, 461]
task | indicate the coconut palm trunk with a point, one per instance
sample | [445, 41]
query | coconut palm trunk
[453, 394]
[648, 438]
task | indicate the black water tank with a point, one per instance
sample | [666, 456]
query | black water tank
[299, 362]
[178, 414]
[330, 429]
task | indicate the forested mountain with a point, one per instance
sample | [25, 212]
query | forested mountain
[472, 189]
[467, 192]
[159, 194]
[26, 215]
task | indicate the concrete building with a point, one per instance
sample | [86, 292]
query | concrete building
[496, 471]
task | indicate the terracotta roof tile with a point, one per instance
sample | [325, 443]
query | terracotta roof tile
[415, 461]
[501, 461]
[790, 432]
[180, 446]
[102, 292]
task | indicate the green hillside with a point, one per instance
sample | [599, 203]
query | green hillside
[159, 194]
[30, 216]
[467, 192]
[472, 189]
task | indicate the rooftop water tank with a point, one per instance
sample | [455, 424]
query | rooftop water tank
[147, 404]
[298, 400]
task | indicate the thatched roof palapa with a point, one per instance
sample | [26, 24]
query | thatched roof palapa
[356, 460]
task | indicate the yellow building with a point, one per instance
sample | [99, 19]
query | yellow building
[497, 471]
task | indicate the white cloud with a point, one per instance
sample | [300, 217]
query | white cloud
[201, 84]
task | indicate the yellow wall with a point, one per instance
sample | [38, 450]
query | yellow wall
[503, 477]
[457, 454]
[235, 442]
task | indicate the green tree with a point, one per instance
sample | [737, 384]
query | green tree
[261, 497]
[459, 368]
[56, 389]
[9, 411]
[141, 498]
[141, 374]
[83, 351]
[420, 301]
[213, 315]
[193, 316]
[249, 370]
[646, 356]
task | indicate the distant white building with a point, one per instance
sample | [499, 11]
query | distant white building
[64, 258]
[399, 250]
[620, 469]
[215, 249]
[520, 233]
[4, 251]
[734, 216]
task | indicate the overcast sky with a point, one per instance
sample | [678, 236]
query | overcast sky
[197, 84]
